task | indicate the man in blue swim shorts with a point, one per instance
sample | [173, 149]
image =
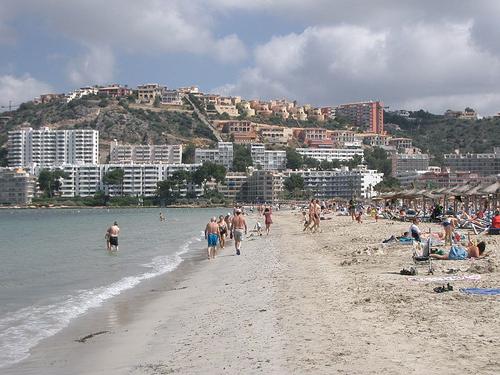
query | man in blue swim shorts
[212, 235]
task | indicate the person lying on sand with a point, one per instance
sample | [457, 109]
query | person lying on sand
[460, 252]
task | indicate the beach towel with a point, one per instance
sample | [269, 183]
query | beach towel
[444, 278]
[483, 291]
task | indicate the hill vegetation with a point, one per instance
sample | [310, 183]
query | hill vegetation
[438, 135]
[120, 120]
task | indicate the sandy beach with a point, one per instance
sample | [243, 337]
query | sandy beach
[295, 303]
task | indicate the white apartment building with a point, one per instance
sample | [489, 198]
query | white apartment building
[138, 179]
[340, 183]
[171, 97]
[409, 162]
[223, 155]
[330, 154]
[268, 160]
[145, 154]
[81, 92]
[232, 187]
[46, 147]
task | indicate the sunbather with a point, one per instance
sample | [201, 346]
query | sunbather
[415, 230]
[460, 252]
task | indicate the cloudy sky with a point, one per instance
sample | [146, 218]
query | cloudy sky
[425, 54]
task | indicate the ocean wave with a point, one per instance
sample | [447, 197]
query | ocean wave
[23, 329]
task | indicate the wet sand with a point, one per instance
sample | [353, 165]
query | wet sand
[294, 303]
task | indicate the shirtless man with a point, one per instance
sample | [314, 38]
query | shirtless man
[239, 225]
[311, 210]
[212, 234]
[112, 236]
[316, 210]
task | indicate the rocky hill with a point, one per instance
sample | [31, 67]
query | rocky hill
[122, 120]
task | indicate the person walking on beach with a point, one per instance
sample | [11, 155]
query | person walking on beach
[316, 209]
[268, 221]
[112, 236]
[352, 209]
[212, 235]
[239, 225]
[311, 209]
[222, 231]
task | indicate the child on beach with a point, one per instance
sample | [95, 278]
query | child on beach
[258, 228]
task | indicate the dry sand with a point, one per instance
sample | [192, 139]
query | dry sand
[297, 303]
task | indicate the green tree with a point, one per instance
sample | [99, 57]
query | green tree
[326, 165]
[311, 163]
[114, 177]
[188, 153]
[207, 172]
[166, 191]
[388, 184]
[354, 162]
[293, 183]
[293, 159]
[50, 181]
[103, 103]
[242, 158]
[180, 179]
[377, 158]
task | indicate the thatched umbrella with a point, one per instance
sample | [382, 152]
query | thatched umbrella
[494, 190]
[474, 192]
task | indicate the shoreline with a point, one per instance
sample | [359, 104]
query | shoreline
[111, 314]
[294, 303]
[111, 207]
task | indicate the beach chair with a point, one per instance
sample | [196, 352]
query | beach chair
[421, 254]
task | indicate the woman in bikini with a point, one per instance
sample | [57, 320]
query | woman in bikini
[223, 231]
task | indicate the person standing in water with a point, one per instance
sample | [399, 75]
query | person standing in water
[212, 235]
[112, 236]
[239, 225]
[268, 221]
[162, 217]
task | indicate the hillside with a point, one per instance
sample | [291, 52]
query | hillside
[126, 122]
[438, 135]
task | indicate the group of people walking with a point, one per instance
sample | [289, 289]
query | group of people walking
[217, 229]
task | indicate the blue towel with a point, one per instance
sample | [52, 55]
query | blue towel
[484, 291]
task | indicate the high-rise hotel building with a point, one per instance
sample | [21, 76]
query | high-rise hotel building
[46, 147]
[369, 116]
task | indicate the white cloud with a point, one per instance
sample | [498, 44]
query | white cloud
[230, 49]
[96, 66]
[412, 64]
[20, 89]
[147, 27]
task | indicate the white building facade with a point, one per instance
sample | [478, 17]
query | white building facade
[340, 183]
[330, 154]
[223, 155]
[145, 154]
[138, 179]
[268, 160]
[46, 147]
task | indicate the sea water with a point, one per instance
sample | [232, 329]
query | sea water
[54, 265]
